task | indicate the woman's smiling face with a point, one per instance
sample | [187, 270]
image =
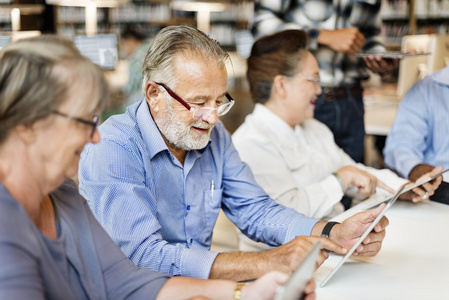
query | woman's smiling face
[303, 90]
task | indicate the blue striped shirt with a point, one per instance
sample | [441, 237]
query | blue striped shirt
[421, 128]
[161, 213]
[336, 69]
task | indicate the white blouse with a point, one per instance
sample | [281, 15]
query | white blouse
[295, 166]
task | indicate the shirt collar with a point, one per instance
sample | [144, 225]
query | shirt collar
[285, 139]
[272, 122]
[150, 133]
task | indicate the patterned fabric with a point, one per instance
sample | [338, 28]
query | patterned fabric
[162, 213]
[336, 69]
[421, 128]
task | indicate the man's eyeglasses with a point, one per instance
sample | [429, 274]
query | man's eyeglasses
[93, 123]
[199, 113]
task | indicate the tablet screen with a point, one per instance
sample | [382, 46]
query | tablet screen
[390, 54]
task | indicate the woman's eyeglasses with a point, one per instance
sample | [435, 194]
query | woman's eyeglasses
[199, 113]
[93, 123]
[314, 79]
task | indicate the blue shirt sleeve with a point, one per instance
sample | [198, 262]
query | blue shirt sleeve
[248, 206]
[408, 138]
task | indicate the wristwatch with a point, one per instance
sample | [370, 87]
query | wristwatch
[327, 229]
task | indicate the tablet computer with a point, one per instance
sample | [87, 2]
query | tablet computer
[390, 54]
[411, 187]
[293, 289]
[390, 202]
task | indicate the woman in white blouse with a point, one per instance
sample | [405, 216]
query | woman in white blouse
[292, 155]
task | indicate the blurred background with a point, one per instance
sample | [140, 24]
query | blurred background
[116, 33]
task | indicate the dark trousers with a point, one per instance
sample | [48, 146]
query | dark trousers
[343, 112]
[345, 118]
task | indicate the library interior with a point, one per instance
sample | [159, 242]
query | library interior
[102, 30]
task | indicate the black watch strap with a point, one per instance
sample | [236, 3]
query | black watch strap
[327, 229]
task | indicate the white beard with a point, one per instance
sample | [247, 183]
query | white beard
[180, 135]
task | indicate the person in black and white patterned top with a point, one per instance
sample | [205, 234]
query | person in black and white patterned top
[337, 30]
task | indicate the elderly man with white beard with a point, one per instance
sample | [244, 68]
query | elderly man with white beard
[165, 168]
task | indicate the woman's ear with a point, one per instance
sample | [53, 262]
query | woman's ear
[26, 133]
[152, 95]
[279, 87]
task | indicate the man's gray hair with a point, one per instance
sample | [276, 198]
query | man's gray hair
[178, 40]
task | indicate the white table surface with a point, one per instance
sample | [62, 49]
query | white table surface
[412, 264]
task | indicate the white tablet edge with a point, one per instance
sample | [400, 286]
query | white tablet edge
[298, 280]
[392, 55]
[363, 236]
[411, 187]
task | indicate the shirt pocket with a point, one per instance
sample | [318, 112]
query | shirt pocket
[212, 201]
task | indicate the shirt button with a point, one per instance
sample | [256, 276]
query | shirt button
[188, 207]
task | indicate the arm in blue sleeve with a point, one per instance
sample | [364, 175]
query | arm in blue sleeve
[407, 139]
[113, 180]
[248, 206]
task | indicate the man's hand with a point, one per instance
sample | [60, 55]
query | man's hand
[364, 181]
[351, 229]
[265, 287]
[345, 40]
[419, 170]
[420, 173]
[240, 266]
[381, 65]
[287, 257]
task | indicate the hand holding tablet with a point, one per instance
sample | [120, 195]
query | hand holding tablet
[425, 187]
[389, 54]
[364, 235]
[384, 208]
[296, 284]
[409, 187]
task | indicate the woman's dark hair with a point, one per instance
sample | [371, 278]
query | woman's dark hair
[277, 54]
